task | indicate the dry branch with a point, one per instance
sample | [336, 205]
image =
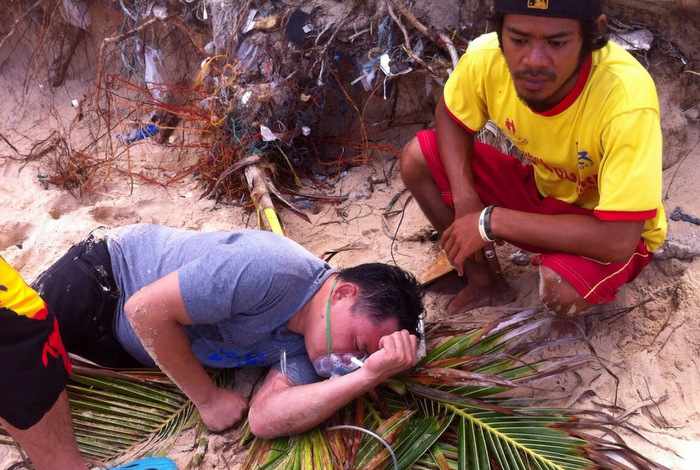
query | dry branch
[438, 37]
[18, 21]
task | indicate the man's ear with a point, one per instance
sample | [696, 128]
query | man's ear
[345, 290]
[602, 24]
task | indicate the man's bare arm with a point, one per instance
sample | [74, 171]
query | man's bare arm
[456, 146]
[582, 235]
[280, 409]
[157, 313]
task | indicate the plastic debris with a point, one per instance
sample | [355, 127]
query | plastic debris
[369, 73]
[422, 344]
[385, 64]
[149, 130]
[75, 103]
[204, 15]
[306, 131]
[638, 40]
[267, 134]
[246, 97]
[250, 21]
[160, 12]
[296, 33]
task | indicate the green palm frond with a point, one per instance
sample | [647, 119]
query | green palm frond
[119, 415]
[115, 417]
[516, 441]
[454, 411]
[463, 407]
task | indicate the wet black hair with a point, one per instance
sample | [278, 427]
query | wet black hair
[387, 292]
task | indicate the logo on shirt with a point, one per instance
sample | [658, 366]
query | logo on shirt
[538, 4]
[510, 125]
[584, 160]
[234, 358]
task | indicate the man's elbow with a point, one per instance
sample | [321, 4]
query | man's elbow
[130, 310]
[135, 311]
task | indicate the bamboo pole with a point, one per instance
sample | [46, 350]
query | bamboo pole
[260, 193]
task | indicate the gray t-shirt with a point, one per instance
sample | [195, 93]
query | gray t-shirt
[239, 289]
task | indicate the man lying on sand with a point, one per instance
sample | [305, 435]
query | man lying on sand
[33, 402]
[182, 300]
[584, 115]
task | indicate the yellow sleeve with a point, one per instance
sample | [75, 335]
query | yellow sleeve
[630, 176]
[17, 296]
[464, 92]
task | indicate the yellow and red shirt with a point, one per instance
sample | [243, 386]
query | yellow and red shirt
[17, 296]
[20, 301]
[599, 149]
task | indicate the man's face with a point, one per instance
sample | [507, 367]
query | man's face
[543, 55]
[351, 330]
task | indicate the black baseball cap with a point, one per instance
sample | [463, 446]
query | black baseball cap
[576, 9]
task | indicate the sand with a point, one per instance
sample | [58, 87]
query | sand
[654, 350]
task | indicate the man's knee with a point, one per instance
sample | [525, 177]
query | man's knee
[412, 164]
[558, 295]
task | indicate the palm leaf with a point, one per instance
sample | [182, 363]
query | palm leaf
[452, 411]
[120, 415]
[516, 441]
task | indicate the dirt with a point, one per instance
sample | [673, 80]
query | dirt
[653, 350]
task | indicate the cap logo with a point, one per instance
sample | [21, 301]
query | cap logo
[538, 4]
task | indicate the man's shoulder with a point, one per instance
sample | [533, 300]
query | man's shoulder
[483, 49]
[486, 43]
[483, 61]
[623, 81]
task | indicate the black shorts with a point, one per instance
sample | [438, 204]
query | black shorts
[80, 290]
[35, 367]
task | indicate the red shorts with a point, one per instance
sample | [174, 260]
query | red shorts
[503, 181]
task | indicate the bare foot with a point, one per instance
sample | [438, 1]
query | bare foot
[476, 296]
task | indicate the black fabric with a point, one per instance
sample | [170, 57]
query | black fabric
[576, 9]
[80, 290]
[33, 366]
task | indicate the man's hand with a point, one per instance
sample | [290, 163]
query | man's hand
[396, 354]
[461, 240]
[223, 410]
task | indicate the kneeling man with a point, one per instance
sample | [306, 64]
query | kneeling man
[582, 184]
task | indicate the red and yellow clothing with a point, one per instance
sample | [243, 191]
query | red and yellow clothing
[599, 149]
[20, 300]
[35, 362]
[17, 296]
